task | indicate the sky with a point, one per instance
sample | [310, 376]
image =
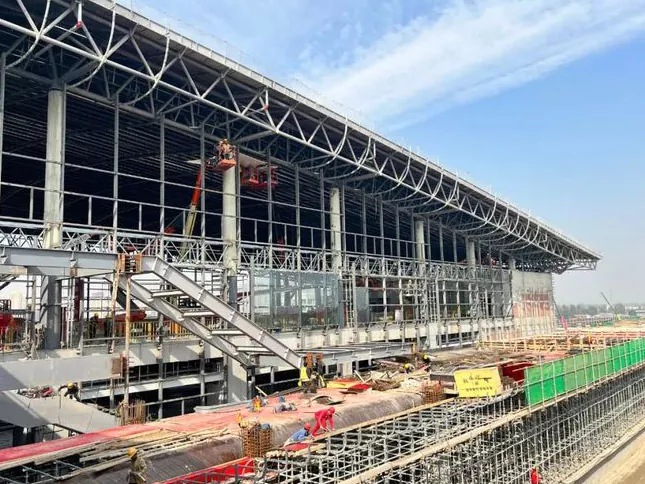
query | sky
[540, 101]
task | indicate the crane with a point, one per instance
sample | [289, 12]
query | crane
[611, 306]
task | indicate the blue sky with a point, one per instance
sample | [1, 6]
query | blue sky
[541, 100]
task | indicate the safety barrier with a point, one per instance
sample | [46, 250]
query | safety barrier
[550, 380]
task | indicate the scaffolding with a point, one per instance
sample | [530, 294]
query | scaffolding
[497, 441]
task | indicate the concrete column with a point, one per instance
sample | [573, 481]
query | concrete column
[419, 237]
[50, 294]
[471, 258]
[236, 382]
[336, 232]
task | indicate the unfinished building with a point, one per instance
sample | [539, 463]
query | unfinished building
[319, 235]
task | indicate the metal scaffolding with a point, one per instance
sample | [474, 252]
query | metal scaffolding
[496, 442]
[350, 453]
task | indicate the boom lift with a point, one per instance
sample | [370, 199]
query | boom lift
[254, 174]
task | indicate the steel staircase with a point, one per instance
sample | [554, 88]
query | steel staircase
[237, 336]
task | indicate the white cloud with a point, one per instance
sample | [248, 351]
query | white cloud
[469, 49]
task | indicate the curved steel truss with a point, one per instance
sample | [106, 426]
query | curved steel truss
[106, 53]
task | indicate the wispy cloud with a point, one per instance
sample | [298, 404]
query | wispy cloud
[469, 49]
[398, 62]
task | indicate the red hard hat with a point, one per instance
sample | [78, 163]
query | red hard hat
[307, 426]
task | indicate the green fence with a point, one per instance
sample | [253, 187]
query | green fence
[550, 380]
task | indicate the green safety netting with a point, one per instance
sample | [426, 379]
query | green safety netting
[555, 378]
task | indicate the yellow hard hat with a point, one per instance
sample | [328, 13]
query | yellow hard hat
[96, 315]
[70, 385]
[406, 366]
[132, 451]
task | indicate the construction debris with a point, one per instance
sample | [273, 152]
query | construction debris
[384, 385]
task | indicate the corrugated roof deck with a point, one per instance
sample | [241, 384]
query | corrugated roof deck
[158, 72]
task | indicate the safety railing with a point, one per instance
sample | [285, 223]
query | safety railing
[550, 380]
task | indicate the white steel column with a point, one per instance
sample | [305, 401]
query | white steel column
[336, 235]
[50, 293]
[229, 233]
[419, 238]
[53, 209]
[236, 375]
[471, 258]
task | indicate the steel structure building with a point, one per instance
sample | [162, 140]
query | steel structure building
[359, 247]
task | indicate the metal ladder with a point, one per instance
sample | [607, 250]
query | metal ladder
[205, 304]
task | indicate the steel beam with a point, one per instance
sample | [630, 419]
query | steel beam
[71, 261]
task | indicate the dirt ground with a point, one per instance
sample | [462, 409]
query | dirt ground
[626, 467]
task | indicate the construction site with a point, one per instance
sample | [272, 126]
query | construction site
[205, 271]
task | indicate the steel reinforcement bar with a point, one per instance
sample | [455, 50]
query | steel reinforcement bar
[356, 450]
[557, 439]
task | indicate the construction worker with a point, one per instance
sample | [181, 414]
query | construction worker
[93, 326]
[224, 150]
[330, 419]
[324, 417]
[138, 467]
[299, 436]
[71, 391]
[320, 371]
[306, 380]
[426, 359]
[535, 477]
[284, 406]
[46, 391]
[408, 368]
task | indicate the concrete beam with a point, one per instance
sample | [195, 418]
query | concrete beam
[151, 386]
[55, 371]
[64, 412]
